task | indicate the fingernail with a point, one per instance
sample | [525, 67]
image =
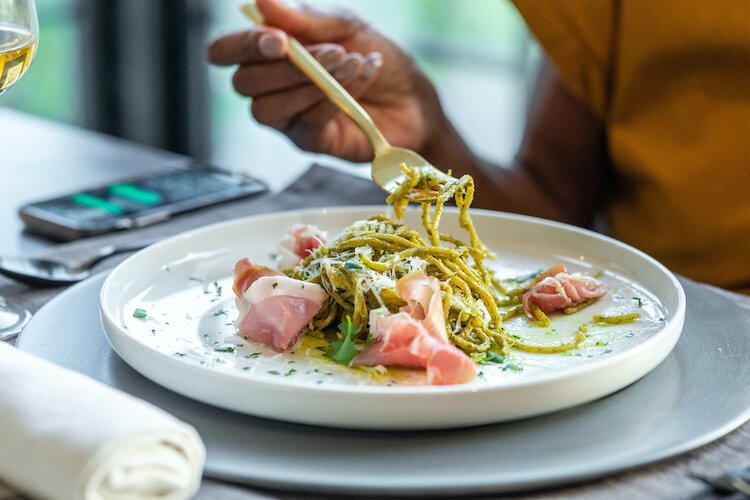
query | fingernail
[345, 71]
[373, 62]
[271, 45]
[327, 57]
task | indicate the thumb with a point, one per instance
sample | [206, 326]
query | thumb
[305, 24]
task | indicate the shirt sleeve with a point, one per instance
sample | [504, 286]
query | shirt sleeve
[578, 38]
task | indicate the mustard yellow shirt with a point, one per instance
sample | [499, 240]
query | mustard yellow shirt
[670, 80]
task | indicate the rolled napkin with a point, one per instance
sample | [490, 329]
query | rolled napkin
[66, 436]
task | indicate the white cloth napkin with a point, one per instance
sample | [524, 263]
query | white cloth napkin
[66, 436]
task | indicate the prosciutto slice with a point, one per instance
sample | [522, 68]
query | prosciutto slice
[556, 289]
[416, 336]
[299, 242]
[423, 302]
[273, 308]
[246, 272]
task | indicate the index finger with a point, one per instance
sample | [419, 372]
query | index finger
[254, 45]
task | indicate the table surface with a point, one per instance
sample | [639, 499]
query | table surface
[42, 159]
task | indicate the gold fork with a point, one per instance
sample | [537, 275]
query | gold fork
[386, 166]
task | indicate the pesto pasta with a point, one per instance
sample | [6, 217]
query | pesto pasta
[360, 267]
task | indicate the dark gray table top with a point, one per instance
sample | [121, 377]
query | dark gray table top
[41, 159]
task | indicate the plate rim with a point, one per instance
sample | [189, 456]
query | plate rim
[675, 321]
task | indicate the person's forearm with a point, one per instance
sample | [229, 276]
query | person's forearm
[508, 188]
[560, 172]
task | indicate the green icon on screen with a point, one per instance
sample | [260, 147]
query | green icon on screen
[88, 200]
[135, 193]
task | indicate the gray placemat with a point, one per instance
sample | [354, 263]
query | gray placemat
[698, 393]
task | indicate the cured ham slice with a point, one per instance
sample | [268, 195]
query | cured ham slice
[416, 336]
[423, 302]
[556, 289]
[299, 242]
[246, 272]
[550, 273]
[274, 308]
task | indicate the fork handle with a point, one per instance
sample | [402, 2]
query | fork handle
[310, 66]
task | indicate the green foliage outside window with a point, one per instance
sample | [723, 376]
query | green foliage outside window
[51, 88]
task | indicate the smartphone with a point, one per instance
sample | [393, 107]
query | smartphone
[136, 202]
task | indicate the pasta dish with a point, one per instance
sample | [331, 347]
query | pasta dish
[381, 293]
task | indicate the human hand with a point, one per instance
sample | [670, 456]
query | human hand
[372, 68]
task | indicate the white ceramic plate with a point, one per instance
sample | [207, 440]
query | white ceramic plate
[187, 342]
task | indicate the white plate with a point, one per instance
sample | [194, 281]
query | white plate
[188, 344]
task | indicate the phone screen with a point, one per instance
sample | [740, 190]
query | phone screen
[139, 201]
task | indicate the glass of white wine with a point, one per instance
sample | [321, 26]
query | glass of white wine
[19, 36]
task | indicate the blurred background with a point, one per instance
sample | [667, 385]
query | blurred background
[136, 69]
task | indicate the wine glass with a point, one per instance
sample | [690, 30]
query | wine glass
[19, 36]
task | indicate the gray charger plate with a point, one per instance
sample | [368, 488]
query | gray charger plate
[699, 393]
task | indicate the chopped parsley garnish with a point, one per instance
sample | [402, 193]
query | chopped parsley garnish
[228, 348]
[221, 312]
[344, 350]
[352, 266]
[274, 285]
[274, 372]
[492, 358]
[291, 372]
[140, 313]
[252, 356]
[194, 278]
[638, 301]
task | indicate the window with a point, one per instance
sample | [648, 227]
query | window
[89, 70]
[51, 86]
